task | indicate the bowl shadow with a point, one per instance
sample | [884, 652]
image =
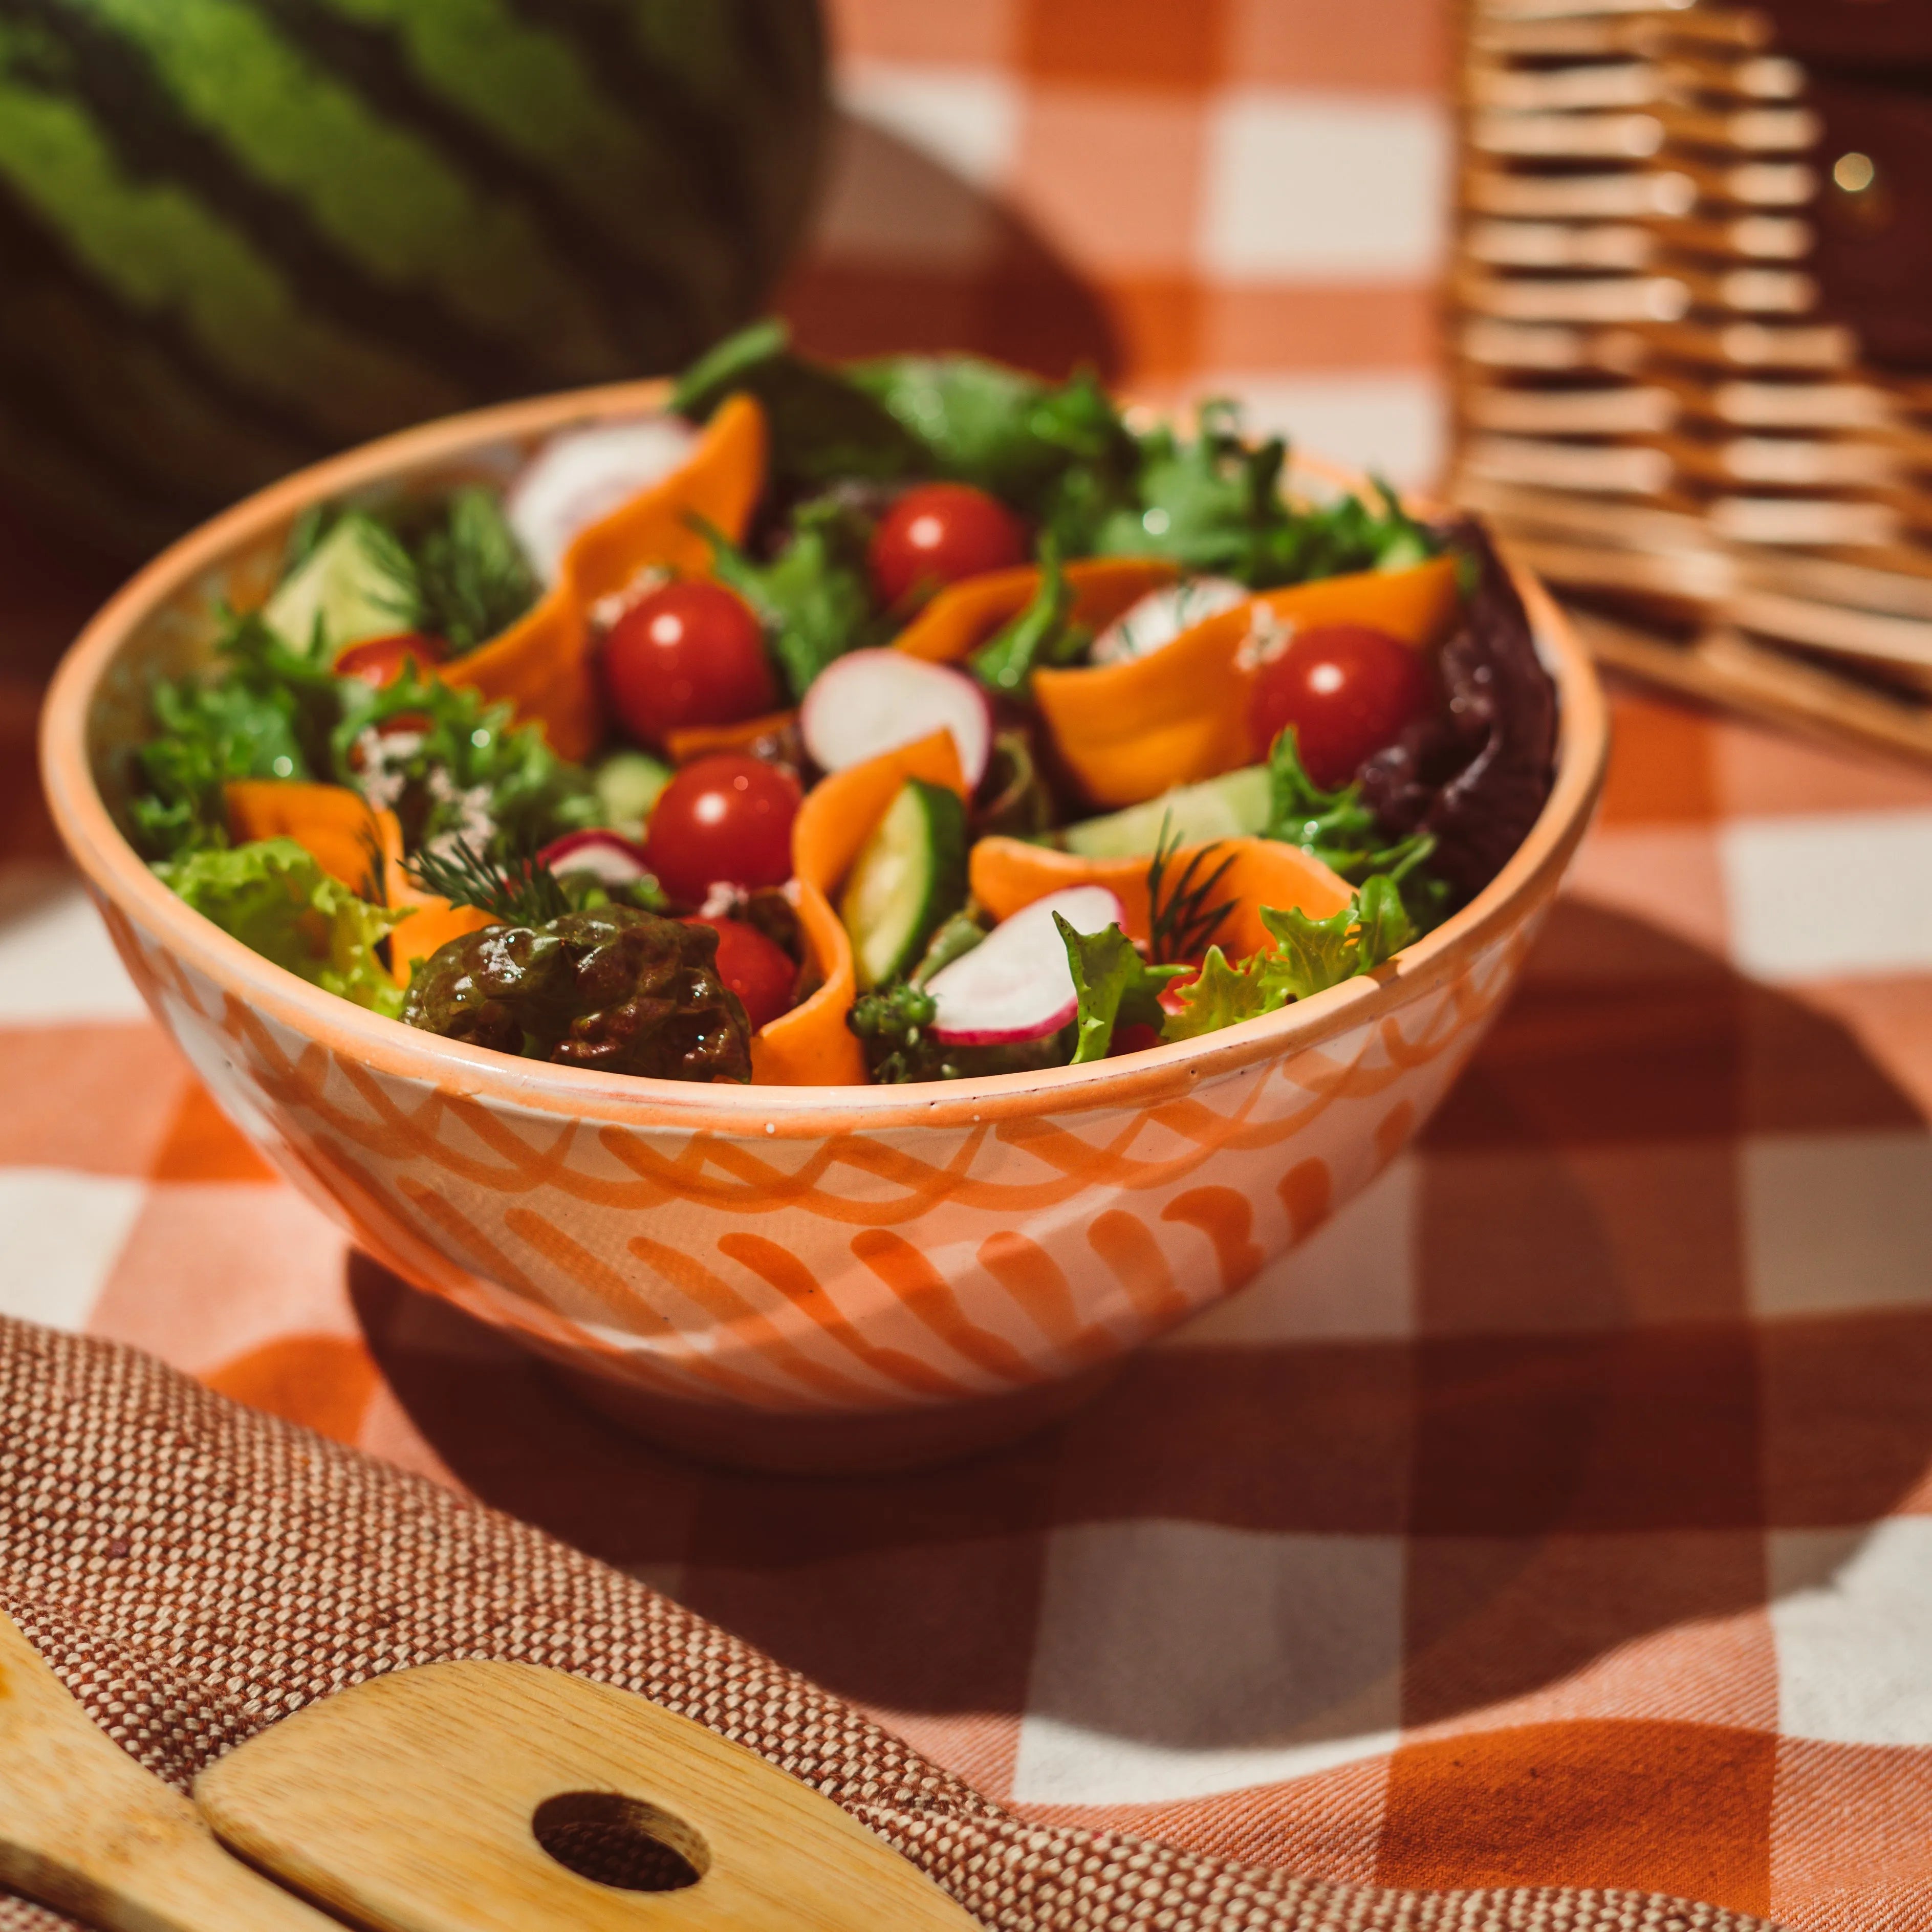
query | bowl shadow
[1572, 1438]
[909, 256]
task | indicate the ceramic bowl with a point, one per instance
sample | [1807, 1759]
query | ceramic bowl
[784, 1277]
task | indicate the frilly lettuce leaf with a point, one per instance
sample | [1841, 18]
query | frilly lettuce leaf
[1114, 985]
[1308, 957]
[1225, 993]
[274, 897]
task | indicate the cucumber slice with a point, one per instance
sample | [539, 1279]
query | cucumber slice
[358, 583]
[628, 783]
[909, 875]
[1234, 805]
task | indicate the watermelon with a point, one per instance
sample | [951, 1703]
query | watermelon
[239, 234]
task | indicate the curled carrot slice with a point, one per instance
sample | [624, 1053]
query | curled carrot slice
[811, 1045]
[1129, 731]
[965, 614]
[542, 664]
[699, 741]
[1007, 873]
[345, 836]
[434, 923]
[332, 824]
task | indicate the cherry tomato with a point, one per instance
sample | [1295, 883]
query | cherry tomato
[689, 653]
[1173, 996]
[380, 660]
[726, 818]
[1136, 1036]
[1347, 690]
[937, 533]
[757, 969]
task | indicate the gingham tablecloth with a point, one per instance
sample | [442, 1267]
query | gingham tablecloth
[1559, 1513]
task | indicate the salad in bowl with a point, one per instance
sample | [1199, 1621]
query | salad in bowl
[910, 722]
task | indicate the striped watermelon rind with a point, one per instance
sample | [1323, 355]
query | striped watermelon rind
[240, 233]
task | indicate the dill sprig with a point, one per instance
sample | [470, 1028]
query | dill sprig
[518, 890]
[1182, 923]
[475, 581]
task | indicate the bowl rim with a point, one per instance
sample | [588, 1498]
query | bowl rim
[117, 872]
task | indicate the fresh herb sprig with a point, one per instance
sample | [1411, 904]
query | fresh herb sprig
[518, 891]
[1183, 916]
[473, 578]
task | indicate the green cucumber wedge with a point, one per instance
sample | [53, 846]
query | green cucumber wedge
[628, 783]
[1234, 805]
[909, 876]
[358, 583]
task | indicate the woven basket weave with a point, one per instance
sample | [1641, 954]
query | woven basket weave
[1654, 398]
[194, 1570]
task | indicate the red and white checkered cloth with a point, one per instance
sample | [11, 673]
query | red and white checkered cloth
[1559, 1514]
[1244, 197]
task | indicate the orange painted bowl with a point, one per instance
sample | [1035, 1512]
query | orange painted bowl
[779, 1276]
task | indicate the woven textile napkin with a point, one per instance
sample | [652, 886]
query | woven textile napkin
[194, 1570]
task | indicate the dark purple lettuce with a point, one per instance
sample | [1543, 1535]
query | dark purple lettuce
[1475, 774]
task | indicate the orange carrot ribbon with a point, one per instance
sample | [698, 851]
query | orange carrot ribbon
[336, 826]
[965, 615]
[543, 663]
[1007, 873]
[1128, 732]
[811, 1045]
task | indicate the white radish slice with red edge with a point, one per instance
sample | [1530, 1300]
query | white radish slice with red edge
[610, 860]
[583, 475]
[868, 702]
[1015, 985]
[1157, 618]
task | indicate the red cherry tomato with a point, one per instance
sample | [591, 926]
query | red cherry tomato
[937, 534]
[759, 970]
[726, 818]
[1136, 1036]
[690, 653]
[380, 660]
[1347, 690]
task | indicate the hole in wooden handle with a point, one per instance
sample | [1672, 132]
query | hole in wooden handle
[621, 1842]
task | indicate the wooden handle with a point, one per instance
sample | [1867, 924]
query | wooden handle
[423, 1801]
[85, 1829]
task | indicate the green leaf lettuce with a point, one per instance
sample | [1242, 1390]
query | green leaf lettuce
[1114, 985]
[1308, 957]
[275, 898]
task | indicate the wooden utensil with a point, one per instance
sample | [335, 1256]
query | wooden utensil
[85, 1829]
[466, 1797]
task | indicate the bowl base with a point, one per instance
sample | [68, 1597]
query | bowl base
[833, 1445]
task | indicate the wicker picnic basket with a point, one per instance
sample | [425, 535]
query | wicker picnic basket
[1693, 288]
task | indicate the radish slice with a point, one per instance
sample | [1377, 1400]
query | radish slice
[584, 474]
[1162, 615]
[611, 860]
[868, 702]
[1015, 984]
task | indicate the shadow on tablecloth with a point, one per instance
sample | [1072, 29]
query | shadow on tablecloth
[1573, 1437]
